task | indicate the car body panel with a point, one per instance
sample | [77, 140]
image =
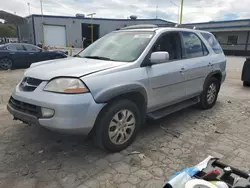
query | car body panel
[68, 67]
[73, 113]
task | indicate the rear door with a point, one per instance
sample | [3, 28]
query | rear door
[34, 53]
[197, 62]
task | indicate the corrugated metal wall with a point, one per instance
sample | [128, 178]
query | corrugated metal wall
[74, 27]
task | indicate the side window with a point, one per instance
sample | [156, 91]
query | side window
[193, 45]
[169, 42]
[31, 48]
[15, 47]
[232, 40]
[212, 42]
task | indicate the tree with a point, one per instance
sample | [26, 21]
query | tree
[7, 30]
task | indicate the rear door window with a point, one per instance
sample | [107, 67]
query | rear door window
[193, 45]
[31, 48]
[212, 42]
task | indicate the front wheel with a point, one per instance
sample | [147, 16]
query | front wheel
[117, 126]
[6, 63]
[209, 95]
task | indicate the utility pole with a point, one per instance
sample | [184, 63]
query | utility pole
[92, 27]
[28, 7]
[41, 2]
[156, 12]
[178, 6]
[181, 11]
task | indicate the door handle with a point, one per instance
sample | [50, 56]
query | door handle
[31, 53]
[12, 53]
[182, 70]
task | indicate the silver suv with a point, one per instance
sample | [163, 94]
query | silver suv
[110, 88]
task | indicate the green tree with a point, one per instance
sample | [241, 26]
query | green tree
[7, 30]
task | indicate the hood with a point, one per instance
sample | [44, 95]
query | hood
[72, 67]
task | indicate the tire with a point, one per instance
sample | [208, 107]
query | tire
[246, 84]
[6, 63]
[108, 131]
[211, 88]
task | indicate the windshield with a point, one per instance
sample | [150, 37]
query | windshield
[118, 46]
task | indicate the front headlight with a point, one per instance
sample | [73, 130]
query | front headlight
[66, 85]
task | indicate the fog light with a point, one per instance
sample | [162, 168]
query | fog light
[47, 112]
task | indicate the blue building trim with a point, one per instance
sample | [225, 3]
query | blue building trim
[87, 18]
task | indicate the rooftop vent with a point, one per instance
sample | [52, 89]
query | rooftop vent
[133, 17]
[80, 15]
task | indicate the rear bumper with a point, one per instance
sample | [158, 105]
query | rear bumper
[74, 113]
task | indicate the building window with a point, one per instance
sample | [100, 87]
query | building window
[232, 40]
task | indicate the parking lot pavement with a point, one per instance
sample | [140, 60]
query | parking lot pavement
[33, 157]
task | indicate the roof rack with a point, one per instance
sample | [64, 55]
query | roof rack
[140, 26]
[184, 26]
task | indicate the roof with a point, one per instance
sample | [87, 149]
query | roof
[12, 18]
[219, 21]
[88, 18]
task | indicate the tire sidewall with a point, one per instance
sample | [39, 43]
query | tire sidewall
[204, 96]
[105, 119]
[5, 68]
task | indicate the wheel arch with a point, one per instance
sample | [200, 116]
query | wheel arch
[216, 74]
[136, 95]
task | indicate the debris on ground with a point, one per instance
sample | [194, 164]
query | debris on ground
[134, 153]
[142, 156]
[156, 178]
[172, 132]
[41, 151]
[229, 102]
[218, 132]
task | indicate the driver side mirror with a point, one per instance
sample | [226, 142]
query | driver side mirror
[159, 57]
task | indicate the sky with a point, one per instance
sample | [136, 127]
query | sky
[194, 10]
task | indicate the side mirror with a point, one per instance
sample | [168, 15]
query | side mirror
[159, 57]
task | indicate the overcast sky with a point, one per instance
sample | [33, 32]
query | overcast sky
[194, 10]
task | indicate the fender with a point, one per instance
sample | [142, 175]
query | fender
[117, 90]
[210, 75]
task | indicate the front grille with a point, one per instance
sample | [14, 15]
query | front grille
[29, 84]
[25, 107]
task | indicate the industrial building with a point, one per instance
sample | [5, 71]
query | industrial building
[76, 30]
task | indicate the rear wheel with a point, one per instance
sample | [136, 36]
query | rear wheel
[6, 63]
[117, 125]
[209, 95]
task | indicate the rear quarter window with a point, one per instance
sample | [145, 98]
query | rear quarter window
[212, 42]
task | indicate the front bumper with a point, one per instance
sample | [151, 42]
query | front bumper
[74, 113]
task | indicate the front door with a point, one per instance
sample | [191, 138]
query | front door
[197, 63]
[18, 55]
[167, 80]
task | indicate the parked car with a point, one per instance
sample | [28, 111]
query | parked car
[245, 76]
[110, 88]
[22, 55]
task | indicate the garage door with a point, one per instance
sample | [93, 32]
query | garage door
[54, 35]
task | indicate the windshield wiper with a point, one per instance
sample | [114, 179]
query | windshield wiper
[98, 57]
